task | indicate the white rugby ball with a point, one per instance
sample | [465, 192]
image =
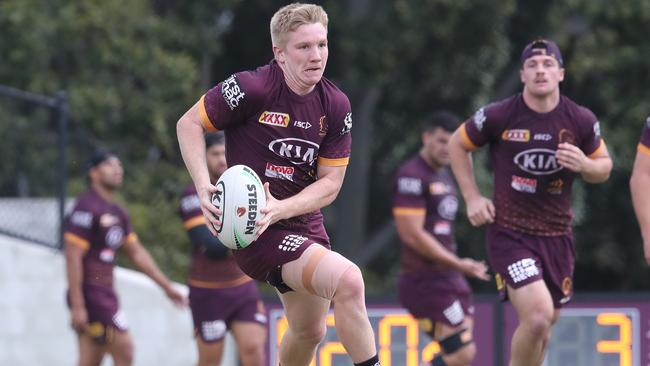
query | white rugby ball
[240, 196]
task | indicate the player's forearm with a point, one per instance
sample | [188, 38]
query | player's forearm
[313, 197]
[192, 146]
[74, 273]
[143, 261]
[427, 245]
[461, 165]
[640, 189]
[597, 170]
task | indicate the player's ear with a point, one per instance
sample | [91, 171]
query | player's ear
[561, 74]
[278, 53]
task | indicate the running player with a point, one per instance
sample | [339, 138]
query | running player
[222, 297]
[292, 126]
[432, 286]
[640, 187]
[539, 140]
[94, 231]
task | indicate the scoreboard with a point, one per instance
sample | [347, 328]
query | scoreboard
[595, 331]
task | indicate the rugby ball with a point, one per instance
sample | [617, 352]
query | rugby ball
[239, 196]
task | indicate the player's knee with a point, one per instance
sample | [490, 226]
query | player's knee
[459, 348]
[312, 334]
[464, 356]
[251, 350]
[350, 286]
[538, 323]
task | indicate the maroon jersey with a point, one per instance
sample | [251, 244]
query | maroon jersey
[207, 272]
[101, 228]
[419, 189]
[279, 134]
[644, 143]
[532, 192]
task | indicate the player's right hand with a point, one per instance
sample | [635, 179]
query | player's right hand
[475, 269]
[209, 210]
[480, 210]
[79, 319]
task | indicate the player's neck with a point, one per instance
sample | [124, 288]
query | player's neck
[541, 104]
[295, 85]
[430, 162]
[103, 192]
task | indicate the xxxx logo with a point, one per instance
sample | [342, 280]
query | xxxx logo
[274, 119]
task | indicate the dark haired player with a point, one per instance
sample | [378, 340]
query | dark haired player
[640, 187]
[539, 140]
[432, 286]
[95, 230]
[222, 297]
[292, 126]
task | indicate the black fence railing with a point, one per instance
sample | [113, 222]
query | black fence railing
[33, 129]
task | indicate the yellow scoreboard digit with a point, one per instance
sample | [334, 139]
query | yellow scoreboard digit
[401, 341]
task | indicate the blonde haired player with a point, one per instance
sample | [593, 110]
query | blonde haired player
[292, 126]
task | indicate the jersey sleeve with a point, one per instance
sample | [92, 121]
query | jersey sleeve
[129, 235]
[409, 194]
[232, 101]
[591, 142]
[336, 146]
[79, 226]
[190, 211]
[644, 142]
[483, 127]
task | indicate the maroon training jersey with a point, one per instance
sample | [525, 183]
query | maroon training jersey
[279, 134]
[532, 192]
[420, 190]
[207, 272]
[644, 143]
[101, 228]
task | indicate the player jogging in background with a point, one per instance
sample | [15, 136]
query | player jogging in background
[292, 126]
[222, 297]
[432, 286]
[95, 230]
[640, 187]
[539, 140]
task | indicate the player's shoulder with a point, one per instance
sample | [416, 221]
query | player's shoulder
[335, 97]
[89, 201]
[253, 85]
[413, 167]
[497, 110]
[577, 112]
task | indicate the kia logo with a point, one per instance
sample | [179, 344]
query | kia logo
[297, 151]
[538, 161]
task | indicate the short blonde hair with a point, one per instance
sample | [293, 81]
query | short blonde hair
[292, 16]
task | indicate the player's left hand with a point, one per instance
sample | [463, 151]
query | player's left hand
[271, 212]
[571, 157]
[176, 296]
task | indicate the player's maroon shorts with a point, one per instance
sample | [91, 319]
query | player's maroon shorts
[104, 315]
[278, 245]
[214, 310]
[520, 259]
[436, 298]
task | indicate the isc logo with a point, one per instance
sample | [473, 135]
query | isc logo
[274, 119]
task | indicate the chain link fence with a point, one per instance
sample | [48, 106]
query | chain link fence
[32, 161]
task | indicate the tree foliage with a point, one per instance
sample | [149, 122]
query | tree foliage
[131, 68]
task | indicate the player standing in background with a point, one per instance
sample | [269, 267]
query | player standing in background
[640, 187]
[538, 141]
[94, 231]
[222, 297]
[432, 286]
[292, 126]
